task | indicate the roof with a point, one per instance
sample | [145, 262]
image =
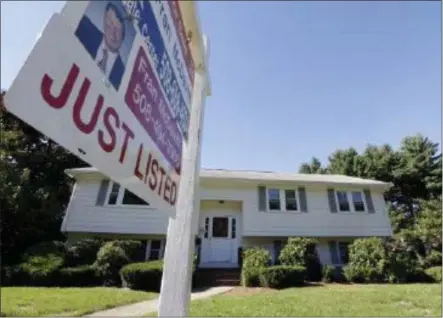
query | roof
[247, 175]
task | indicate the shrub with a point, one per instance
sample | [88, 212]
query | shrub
[38, 270]
[110, 259]
[433, 259]
[282, 276]
[80, 276]
[131, 248]
[328, 273]
[367, 261]
[45, 248]
[83, 252]
[145, 276]
[434, 273]
[254, 260]
[302, 251]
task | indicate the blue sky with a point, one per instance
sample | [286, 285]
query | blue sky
[292, 80]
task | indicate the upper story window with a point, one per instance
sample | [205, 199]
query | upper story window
[282, 199]
[120, 196]
[350, 201]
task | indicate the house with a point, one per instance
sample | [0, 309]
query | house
[237, 209]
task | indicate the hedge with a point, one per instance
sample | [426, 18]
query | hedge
[81, 276]
[37, 271]
[145, 276]
[110, 259]
[254, 260]
[282, 276]
[83, 252]
[434, 273]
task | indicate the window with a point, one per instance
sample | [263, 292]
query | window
[155, 249]
[234, 228]
[220, 227]
[274, 199]
[290, 200]
[120, 196]
[113, 194]
[357, 201]
[343, 202]
[343, 251]
[131, 199]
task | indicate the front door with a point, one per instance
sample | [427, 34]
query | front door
[219, 241]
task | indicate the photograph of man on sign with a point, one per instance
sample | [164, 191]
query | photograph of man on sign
[107, 35]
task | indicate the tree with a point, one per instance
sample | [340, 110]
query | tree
[34, 187]
[313, 167]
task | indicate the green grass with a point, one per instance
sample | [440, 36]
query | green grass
[40, 301]
[330, 300]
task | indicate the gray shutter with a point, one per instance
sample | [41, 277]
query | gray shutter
[331, 199]
[368, 199]
[334, 253]
[303, 202]
[261, 198]
[101, 196]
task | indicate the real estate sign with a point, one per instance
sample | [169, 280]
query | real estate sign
[111, 81]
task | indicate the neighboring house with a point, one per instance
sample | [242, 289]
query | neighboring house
[237, 209]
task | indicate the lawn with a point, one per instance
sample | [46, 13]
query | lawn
[329, 300]
[36, 301]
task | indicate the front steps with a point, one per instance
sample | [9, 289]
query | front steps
[217, 277]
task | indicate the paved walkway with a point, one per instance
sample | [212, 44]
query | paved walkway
[148, 306]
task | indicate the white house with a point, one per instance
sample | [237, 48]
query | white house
[237, 209]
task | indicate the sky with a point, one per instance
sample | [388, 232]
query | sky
[293, 80]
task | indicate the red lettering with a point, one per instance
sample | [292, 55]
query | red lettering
[167, 188]
[148, 165]
[59, 101]
[129, 134]
[109, 113]
[86, 128]
[173, 195]
[137, 172]
[153, 175]
[162, 174]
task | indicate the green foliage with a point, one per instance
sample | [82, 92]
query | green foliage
[45, 248]
[301, 251]
[282, 276]
[110, 259]
[434, 258]
[143, 276]
[367, 261]
[131, 249]
[81, 276]
[38, 271]
[83, 252]
[254, 260]
[434, 273]
[328, 273]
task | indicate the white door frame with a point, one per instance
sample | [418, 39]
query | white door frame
[206, 224]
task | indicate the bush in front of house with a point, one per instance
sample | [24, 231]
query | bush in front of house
[110, 259]
[80, 276]
[282, 276]
[301, 251]
[145, 276]
[37, 271]
[368, 261]
[433, 259]
[254, 260]
[434, 273]
[328, 274]
[45, 248]
[131, 249]
[83, 252]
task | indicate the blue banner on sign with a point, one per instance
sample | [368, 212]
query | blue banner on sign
[150, 32]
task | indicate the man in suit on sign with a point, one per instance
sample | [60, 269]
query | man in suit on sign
[104, 47]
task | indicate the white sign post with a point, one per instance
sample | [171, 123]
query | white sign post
[180, 244]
